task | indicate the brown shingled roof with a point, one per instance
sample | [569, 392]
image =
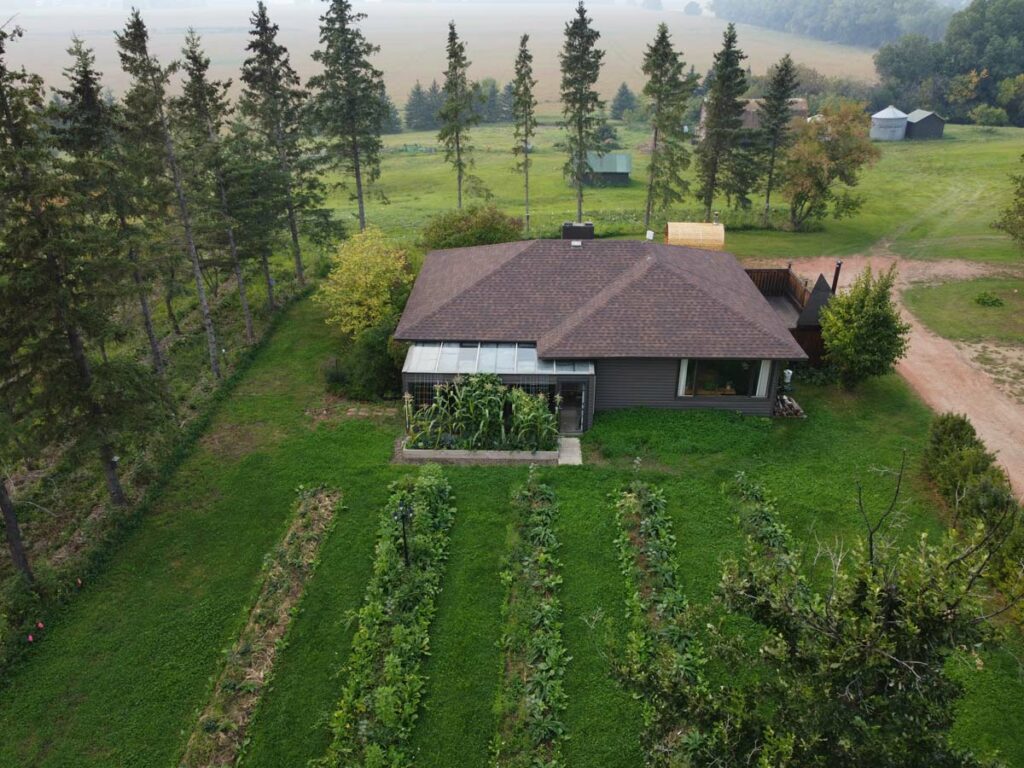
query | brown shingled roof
[602, 299]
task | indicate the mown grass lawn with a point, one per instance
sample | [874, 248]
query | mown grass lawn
[118, 678]
[950, 309]
[925, 199]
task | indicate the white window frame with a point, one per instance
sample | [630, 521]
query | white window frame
[762, 379]
[684, 366]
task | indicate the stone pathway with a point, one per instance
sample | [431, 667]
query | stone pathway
[570, 454]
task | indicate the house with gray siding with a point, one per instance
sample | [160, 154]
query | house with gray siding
[602, 324]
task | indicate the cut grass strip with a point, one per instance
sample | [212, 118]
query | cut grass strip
[383, 680]
[221, 728]
[531, 699]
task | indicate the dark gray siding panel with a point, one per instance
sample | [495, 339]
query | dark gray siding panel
[652, 382]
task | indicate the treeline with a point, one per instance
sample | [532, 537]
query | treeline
[491, 103]
[975, 73]
[112, 207]
[864, 22]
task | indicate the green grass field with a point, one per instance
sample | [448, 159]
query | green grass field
[923, 200]
[119, 677]
[950, 309]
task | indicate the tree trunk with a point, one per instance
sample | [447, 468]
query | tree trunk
[169, 305]
[358, 170]
[147, 315]
[293, 226]
[526, 181]
[458, 167]
[265, 260]
[186, 225]
[12, 532]
[581, 169]
[768, 186]
[650, 180]
[236, 264]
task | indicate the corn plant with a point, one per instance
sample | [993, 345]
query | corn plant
[480, 413]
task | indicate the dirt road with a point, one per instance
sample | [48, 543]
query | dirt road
[939, 371]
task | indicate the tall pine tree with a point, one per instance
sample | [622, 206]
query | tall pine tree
[668, 90]
[524, 117]
[151, 79]
[272, 99]
[581, 105]
[458, 113]
[722, 120]
[776, 118]
[349, 104]
[202, 111]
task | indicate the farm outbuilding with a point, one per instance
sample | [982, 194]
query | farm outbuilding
[610, 169]
[692, 234]
[889, 125]
[922, 124]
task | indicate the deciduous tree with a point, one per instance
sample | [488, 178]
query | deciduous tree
[862, 329]
[824, 164]
[369, 279]
[581, 105]
[1011, 218]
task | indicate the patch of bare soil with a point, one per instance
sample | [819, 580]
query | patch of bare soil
[334, 409]
[220, 731]
[947, 376]
[235, 441]
[1003, 362]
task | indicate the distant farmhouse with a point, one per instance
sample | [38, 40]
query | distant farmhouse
[752, 118]
[922, 124]
[611, 169]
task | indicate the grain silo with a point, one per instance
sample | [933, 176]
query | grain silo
[889, 125]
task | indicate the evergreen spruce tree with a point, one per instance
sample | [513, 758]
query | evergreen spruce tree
[523, 107]
[581, 104]
[723, 120]
[505, 103]
[435, 101]
[272, 100]
[416, 109]
[92, 134]
[392, 119]
[776, 119]
[624, 101]
[668, 91]
[458, 113]
[150, 79]
[202, 112]
[348, 105]
[62, 279]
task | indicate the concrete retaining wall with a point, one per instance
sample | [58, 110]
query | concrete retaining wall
[422, 456]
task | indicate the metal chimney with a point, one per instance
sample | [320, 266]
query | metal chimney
[835, 277]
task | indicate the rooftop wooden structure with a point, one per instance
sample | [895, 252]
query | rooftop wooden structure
[693, 234]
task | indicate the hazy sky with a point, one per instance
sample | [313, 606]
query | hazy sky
[411, 35]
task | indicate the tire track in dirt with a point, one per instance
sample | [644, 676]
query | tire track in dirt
[940, 372]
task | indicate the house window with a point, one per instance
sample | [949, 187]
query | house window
[723, 378]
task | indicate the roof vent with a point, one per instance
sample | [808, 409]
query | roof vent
[576, 243]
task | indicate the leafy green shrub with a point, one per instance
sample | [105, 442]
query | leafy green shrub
[383, 679]
[532, 698]
[475, 225]
[985, 114]
[988, 299]
[372, 365]
[478, 412]
[949, 433]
